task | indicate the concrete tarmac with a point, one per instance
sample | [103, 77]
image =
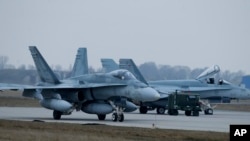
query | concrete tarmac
[219, 122]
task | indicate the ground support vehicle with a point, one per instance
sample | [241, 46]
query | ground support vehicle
[190, 103]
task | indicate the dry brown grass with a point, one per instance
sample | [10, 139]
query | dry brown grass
[15, 99]
[18, 102]
[234, 107]
[38, 131]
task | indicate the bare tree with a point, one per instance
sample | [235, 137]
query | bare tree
[22, 67]
[31, 67]
[150, 71]
[58, 68]
[3, 61]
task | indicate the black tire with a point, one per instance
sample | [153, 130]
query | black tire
[143, 109]
[175, 112]
[188, 113]
[195, 113]
[160, 110]
[57, 115]
[121, 118]
[170, 112]
[205, 112]
[208, 111]
[101, 117]
[114, 117]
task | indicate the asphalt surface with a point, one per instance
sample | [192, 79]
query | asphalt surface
[219, 121]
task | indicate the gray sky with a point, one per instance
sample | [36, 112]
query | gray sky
[194, 33]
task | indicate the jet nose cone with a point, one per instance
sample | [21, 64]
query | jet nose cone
[148, 94]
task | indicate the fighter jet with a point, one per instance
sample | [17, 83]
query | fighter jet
[204, 85]
[100, 93]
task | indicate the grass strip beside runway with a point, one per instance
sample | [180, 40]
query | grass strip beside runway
[39, 131]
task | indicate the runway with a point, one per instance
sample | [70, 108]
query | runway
[219, 122]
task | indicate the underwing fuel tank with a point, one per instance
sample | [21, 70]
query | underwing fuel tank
[130, 107]
[56, 104]
[97, 108]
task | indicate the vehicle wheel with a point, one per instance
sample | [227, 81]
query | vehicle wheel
[101, 117]
[175, 112]
[57, 115]
[114, 116]
[143, 109]
[160, 110]
[208, 111]
[205, 112]
[121, 118]
[195, 113]
[188, 113]
[170, 112]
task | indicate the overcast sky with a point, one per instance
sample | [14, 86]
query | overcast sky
[194, 33]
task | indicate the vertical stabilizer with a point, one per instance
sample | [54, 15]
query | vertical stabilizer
[81, 63]
[129, 65]
[44, 71]
[109, 65]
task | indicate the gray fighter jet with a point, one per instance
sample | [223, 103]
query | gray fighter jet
[204, 85]
[99, 94]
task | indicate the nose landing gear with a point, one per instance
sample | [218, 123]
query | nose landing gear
[118, 114]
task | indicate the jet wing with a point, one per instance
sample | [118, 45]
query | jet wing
[169, 90]
[7, 86]
[197, 89]
[4, 86]
[77, 86]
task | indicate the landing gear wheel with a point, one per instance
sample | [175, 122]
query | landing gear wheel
[121, 118]
[143, 109]
[160, 110]
[114, 117]
[57, 115]
[119, 107]
[101, 117]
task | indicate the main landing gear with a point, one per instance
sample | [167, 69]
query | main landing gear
[57, 115]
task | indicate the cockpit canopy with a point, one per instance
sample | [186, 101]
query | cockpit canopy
[209, 72]
[123, 74]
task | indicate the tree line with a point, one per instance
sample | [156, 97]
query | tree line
[150, 70]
